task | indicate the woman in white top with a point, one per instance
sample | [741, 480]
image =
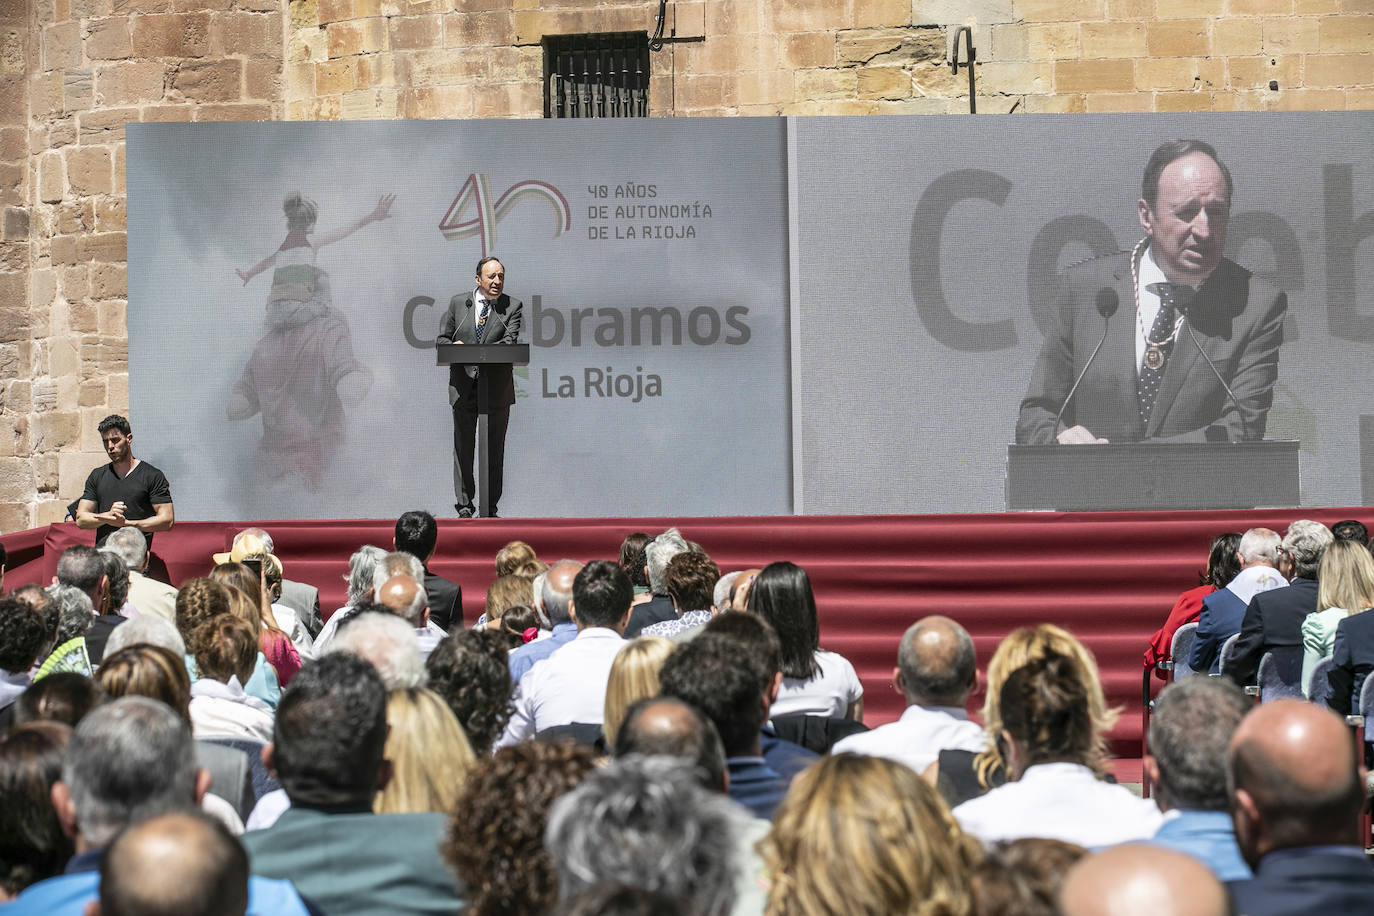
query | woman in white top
[1049, 741]
[815, 682]
[1345, 586]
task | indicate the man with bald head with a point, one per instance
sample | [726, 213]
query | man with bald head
[556, 595]
[407, 598]
[935, 671]
[1295, 801]
[182, 864]
[1138, 880]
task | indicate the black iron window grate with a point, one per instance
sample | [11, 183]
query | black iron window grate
[596, 76]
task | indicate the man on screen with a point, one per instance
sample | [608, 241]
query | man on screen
[1159, 313]
[484, 316]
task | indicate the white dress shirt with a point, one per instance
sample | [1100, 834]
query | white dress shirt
[1060, 801]
[568, 686]
[917, 738]
[831, 692]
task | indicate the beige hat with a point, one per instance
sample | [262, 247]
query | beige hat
[248, 546]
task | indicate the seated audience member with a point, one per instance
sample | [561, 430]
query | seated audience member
[1224, 610]
[646, 822]
[865, 836]
[160, 674]
[180, 864]
[516, 558]
[388, 642]
[418, 535]
[570, 685]
[1295, 798]
[632, 562]
[1139, 880]
[75, 618]
[1022, 877]
[395, 563]
[1345, 587]
[731, 687]
[117, 592]
[326, 750]
[23, 639]
[1222, 567]
[286, 618]
[496, 844]
[249, 603]
[690, 579]
[961, 775]
[1351, 530]
[130, 760]
[1274, 618]
[225, 651]
[554, 597]
[428, 753]
[301, 598]
[146, 629]
[37, 597]
[1192, 725]
[1353, 660]
[657, 554]
[33, 846]
[505, 593]
[520, 625]
[202, 600]
[406, 598]
[1051, 745]
[936, 670]
[149, 596]
[815, 682]
[65, 697]
[468, 670]
[83, 568]
[634, 676]
[361, 567]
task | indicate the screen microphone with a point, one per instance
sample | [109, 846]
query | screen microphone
[1106, 302]
[1213, 366]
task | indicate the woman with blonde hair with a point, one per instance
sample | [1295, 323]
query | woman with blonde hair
[961, 775]
[634, 676]
[518, 558]
[429, 754]
[505, 593]
[253, 607]
[865, 835]
[1345, 587]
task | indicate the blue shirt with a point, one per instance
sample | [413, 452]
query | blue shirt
[523, 658]
[756, 785]
[1208, 836]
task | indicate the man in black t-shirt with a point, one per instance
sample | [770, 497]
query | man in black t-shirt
[126, 492]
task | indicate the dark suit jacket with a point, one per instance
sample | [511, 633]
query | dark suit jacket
[1238, 319]
[1274, 618]
[1353, 655]
[459, 325]
[1221, 617]
[445, 601]
[656, 610]
[305, 601]
[1299, 882]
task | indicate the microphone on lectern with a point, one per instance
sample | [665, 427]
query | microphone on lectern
[1106, 302]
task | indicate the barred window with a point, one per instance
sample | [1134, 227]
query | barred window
[596, 76]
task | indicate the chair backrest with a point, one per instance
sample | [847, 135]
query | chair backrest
[1179, 649]
[1319, 685]
[1367, 700]
[1228, 649]
[815, 733]
[1280, 673]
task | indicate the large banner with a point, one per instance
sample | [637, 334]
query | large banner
[726, 316]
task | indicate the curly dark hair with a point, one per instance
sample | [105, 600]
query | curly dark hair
[469, 670]
[497, 845]
[23, 635]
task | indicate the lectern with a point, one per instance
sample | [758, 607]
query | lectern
[482, 355]
[1153, 475]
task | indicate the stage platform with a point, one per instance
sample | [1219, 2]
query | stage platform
[1110, 577]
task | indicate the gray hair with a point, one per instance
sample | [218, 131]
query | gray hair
[388, 642]
[1192, 725]
[1259, 545]
[75, 613]
[1305, 542]
[129, 759]
[80, 566]
[725, 586]
[414, 612]
[360, 568]
[396, 563]
[658, 552]
[262, 536]
[537, 589]
[555, 600]
[130, 546]
[145, 628]
[935, 675]
[646, 822]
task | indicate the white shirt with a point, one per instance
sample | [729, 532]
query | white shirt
[331, 626]
[1252, 580]
[427, 637]
[290, 623]
[270, 807]
[917, 738]
[225, 711]
[833, 689]
[1060, 801]
[568, 686]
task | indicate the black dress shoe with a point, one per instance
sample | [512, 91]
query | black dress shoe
[492, 513]
[463, 511]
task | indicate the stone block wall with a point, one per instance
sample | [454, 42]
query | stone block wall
[74, 72]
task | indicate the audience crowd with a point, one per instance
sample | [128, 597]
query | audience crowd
[653, 734]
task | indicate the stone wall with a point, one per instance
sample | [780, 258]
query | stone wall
[73, 72]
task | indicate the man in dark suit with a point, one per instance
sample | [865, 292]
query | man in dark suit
[1223, 611]
[1275, 618]
[484, 316]
[1295, 802]
[1353, 655]
[1149, 380]
[418, 534]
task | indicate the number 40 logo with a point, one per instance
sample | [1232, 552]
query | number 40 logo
[475, 195]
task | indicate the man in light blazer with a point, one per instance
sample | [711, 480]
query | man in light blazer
[1150, 379]
[484, 316]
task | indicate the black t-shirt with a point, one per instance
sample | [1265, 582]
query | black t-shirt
[140, 490]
